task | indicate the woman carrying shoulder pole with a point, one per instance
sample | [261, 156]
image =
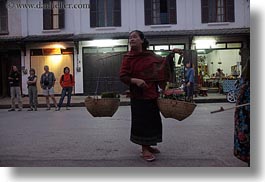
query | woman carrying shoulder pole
[144, 72]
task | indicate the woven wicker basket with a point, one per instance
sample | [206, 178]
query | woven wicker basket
[104, 107]
[176, 109]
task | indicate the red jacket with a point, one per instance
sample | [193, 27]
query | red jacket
[153, 69]
[67, 81]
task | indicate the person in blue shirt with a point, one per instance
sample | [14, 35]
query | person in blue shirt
[189, 82]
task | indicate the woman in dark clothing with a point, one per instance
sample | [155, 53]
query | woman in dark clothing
[144, 72]
[32, 90]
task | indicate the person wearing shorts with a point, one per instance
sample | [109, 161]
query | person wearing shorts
[47, 82]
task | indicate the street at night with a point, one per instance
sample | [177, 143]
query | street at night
[75, 138]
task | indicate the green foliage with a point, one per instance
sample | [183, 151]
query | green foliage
[110, 95]
[180, 97]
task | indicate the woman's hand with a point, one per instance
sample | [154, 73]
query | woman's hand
[188, 84]
[139, 82]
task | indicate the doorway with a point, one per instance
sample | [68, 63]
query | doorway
[7, 59]
[102, 74]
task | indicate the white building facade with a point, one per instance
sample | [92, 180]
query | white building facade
[84, 32]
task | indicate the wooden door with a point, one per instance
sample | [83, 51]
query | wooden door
[56, 65]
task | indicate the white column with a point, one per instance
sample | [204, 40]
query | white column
[78, 74]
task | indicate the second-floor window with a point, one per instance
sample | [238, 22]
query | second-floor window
[53, 14]
[3, 17]
[217, 11]
[105, 13]
[160, 12]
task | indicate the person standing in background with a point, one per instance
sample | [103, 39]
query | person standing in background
[15, 91]
[47, 82]
[67, 83]
[189, 82]
[32, 90]
[219, 75]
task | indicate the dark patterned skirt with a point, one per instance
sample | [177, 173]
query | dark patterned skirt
[242, 126]
[146, 127]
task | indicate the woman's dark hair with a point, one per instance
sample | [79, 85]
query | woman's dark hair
[11, 70]
[186, 62]
[145, 44]
[32, 70]
[65, 68]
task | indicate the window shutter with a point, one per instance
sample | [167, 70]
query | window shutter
[61, 15]
[212, 11]
[93, 13]
[3, 17]
[172, 11]
[230, 10]
[148, 12]
[4, 24]
[47, 16]
[117, 13]
[205, 11]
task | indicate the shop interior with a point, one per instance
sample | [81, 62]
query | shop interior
[219, 68]
[211, 57]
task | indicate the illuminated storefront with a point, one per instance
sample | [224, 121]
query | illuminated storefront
[56, 55]
[56, 59]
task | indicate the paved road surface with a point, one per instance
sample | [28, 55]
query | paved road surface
[75, 138]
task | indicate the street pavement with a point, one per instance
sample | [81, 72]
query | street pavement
[76, 139]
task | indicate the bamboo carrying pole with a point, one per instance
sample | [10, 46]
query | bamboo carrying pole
[222, 109]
